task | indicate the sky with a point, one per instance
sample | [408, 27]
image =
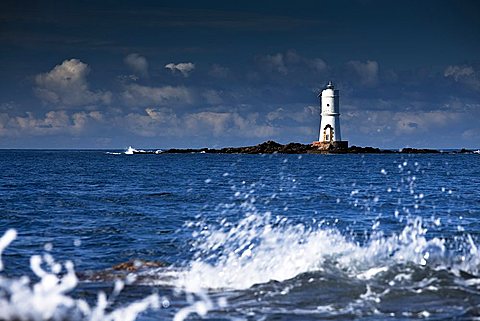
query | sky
[162, 74]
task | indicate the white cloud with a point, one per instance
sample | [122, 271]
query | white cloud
[81, 119]
[137, 95]
[318, 64]
[138, 64]
[274, 63]
[52, 123]
[291, 56]
[66, 86]
[154, 122]
[184, 67]
[401, 125]
[8, 106]
[277, 114]
[300, 115]
[291, 61]
[366, 71]
[411, 122]
[213, 122]
[458, 72]
[463, 74]
[228, 123]
[164, 122]
[472, 134]
[251, 126]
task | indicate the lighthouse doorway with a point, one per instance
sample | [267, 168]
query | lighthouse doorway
[328, 133]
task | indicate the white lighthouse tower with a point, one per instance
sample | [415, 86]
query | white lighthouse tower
[330, 136]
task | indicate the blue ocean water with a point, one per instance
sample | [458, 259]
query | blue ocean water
[242, 237]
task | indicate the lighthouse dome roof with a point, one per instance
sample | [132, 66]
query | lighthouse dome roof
[328, 92]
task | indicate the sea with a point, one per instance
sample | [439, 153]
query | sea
[238, 237]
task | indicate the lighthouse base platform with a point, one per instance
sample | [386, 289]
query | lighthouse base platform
[331, 146]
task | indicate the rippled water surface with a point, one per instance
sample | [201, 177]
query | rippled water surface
[239, 237]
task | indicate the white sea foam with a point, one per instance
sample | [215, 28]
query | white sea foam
[260, 248]
[130, 151]
[48, 298]
[6, 239]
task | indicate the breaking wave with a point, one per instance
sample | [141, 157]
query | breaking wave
[250, 255]
[265, 257]
[261, 248]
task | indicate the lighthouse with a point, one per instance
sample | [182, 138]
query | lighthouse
[330, 136]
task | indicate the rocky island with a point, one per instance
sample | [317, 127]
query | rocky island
[272, 147]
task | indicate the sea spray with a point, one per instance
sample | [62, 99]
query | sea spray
[260, 248]
[247, 256]
[48, 299]
[9, 236]
[267, 258]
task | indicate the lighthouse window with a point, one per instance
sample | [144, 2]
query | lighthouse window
[328, 105]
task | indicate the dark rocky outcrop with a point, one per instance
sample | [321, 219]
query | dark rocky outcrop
[418, 151]
[366, 150]
[269, 147]
[272, 147]
[467, 151]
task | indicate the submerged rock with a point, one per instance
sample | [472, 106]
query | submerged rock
[135, 265]
[120, 271]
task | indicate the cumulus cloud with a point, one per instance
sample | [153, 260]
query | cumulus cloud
[138, 64]
[214, 122]
[8, 106]
[463, 74]
[252, 126]
[410, 122]
[66, 86]
[274, 62]
[153, 122]
[228, 123]
[399, 122]
[299, 115]
[472, 134]
[290, 61]
[184, 67]
[52, 123]
[138, 95]
[292, 58]
[392, 128]
[317, 64]
[164, 122]
[458, 72]
[367, 72]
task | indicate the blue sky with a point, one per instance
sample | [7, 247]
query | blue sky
[153, 74]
